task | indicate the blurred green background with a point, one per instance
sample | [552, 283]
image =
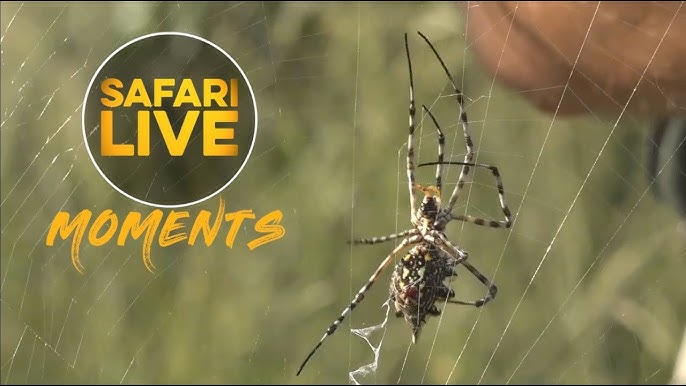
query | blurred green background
[604, 300]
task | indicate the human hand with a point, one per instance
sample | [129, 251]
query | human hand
[612, 47]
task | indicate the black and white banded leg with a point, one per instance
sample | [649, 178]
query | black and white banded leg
[460, 257]
[465, 128]
[492, 289]
[360, 294]
[441, 146]
[381, 239]
[494, 170]
[410, 141]
[501, 197]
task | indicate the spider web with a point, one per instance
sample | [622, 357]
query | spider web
[588, 276]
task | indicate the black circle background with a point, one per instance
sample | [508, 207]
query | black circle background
[161, 179]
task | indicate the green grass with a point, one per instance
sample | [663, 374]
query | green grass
[604, 299]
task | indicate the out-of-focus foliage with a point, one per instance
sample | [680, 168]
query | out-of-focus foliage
[599, 299]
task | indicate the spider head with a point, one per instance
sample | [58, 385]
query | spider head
[431, 204]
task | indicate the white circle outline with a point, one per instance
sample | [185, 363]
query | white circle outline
[85, 137]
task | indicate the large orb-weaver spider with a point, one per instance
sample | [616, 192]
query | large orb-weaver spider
[418, 280]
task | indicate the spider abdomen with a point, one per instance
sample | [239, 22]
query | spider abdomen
[417, 283]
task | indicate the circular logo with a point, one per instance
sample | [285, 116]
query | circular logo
[169, 119]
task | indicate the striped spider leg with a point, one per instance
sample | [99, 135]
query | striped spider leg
[418, 280]
[360, 295]
[448, 215]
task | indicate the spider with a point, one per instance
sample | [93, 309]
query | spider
[418, 280]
